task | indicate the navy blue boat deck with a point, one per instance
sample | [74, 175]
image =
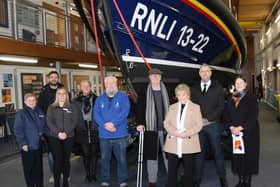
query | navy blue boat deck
[11, 174]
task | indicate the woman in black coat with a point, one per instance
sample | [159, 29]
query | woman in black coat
[241, 116]
[87, 130]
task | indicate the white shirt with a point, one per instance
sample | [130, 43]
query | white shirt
[208, 83]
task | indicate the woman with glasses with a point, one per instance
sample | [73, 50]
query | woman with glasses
[62, 119]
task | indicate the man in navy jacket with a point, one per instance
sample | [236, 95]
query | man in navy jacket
[110, 113]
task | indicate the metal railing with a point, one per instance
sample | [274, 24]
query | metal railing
[33, 23]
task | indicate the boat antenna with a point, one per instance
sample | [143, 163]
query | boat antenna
[97, 42]
[131, 36]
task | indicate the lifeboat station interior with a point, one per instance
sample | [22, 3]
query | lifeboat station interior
[39, 36]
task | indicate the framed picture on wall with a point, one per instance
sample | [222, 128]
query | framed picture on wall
[31, 83]
[4, 13]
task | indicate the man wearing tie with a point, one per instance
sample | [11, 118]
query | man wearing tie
[210, 96]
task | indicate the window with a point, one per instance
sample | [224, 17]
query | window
[3, 13]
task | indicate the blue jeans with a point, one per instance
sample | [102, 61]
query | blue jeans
[118, 146]
[210, 135]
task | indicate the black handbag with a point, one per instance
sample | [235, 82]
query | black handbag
[150, 145]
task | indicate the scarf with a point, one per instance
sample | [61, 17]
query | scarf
[237, 96]
[180, 127]
[86, 103]
[151, 120]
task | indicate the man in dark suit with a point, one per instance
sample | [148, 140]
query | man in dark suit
[210, 96]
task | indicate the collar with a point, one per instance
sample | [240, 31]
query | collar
[208, 83]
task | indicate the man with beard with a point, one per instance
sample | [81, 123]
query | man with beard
[46, 98]
[110, 113]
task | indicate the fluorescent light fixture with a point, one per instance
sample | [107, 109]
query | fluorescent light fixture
[269, 68]
[278, 18]
[268, 31]
[14, 58]
[88, 65]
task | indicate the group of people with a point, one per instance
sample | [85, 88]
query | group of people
[195, 123]
[182, 131]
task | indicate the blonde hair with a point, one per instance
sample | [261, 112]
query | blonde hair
[183, 87]
[27, 95]
[56, 102]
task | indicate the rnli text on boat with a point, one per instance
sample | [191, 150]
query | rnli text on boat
[157, 24]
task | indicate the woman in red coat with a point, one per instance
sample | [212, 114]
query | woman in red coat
[241, 117]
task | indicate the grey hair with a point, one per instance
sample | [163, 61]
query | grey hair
[110, 77]
[86, 81]
[205, 65]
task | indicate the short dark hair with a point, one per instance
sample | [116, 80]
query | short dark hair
[53, 72]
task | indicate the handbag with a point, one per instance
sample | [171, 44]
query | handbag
[238, 144]
[150, 145]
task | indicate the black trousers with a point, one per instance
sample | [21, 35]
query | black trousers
[61, 150]
[189, 168]
[90, 158]
[32, 167]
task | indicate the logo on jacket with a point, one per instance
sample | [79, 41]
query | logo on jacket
[41, 115]
[117, 105]
[67, 110]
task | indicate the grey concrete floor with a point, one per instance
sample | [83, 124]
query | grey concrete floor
[11, 174]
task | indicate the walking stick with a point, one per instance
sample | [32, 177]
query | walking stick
[140, 160]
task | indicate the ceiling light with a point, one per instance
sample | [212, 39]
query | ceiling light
[278, 65]
[277, 19]
[269, 68]
[23, 59]
[268, 31]
[88, 65]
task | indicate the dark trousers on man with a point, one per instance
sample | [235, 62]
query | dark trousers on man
[61, 150]
[33, 167]
[210, 135]
[90, 160]
[189, 167]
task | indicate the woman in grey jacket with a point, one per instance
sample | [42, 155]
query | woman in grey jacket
[62, 119]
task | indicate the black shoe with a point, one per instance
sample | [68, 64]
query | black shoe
[247, 181]
[94, 178]
[240, 181]
[65, 182]
[223, 182]
[197, 183]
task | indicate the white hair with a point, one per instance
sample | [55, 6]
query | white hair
[110, 77]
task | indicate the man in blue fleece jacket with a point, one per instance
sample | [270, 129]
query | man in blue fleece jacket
[110, 113]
